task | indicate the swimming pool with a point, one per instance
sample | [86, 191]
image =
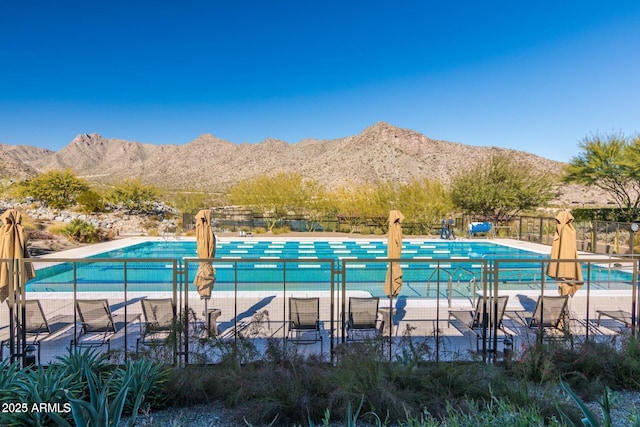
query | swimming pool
[255, 264]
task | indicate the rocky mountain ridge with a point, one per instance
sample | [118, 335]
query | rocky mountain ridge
[380, 153]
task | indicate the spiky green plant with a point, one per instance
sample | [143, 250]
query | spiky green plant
[78, 361]
[589, 420]
[99, 410]
[9, 373]
[37, 386]
[146, 377]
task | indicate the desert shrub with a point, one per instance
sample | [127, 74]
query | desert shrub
[55, 188]
[280, 230]
[150, 224]
[57, 228]
[134, 195]
[413, 389]
[535, 364]
[81, 231]
[588, 367]
[90, 201]
[259, 230]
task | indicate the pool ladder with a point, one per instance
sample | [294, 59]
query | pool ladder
[458, 271]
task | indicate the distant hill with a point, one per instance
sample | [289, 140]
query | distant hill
[14, 158]
[380, 153]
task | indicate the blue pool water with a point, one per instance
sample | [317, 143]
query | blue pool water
[304, 275]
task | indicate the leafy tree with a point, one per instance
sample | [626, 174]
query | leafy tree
[90, 201]
[500, 189]
[191, 201]
[133, 195]
[420, 201]
[55, 188]
[611, 163]
[352, 204]
[424, 202]
[314, 203]
[380, 199]
[275, 196]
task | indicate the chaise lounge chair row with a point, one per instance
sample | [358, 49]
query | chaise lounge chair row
[549, 315]
[98, 325]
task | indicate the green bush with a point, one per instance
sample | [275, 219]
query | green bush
[81, 231]
[134, 195]
[90, 202]
[280, 230]
[593, 365]
[57, 189]
[407, 389]
[85, 390]
[365, 230]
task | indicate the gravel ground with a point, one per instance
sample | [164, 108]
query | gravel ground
[624, 405]
[206, 415]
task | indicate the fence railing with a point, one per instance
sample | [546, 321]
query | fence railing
[252, 312]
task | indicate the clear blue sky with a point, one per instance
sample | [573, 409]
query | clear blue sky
[534, 76]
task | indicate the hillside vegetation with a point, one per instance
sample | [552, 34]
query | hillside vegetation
[380, 153]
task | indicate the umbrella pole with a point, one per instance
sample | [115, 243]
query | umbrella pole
[206, 313]
[390, 324]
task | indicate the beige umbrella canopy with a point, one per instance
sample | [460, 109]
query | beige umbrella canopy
[206, 247]
[13, 246]
[564, 248]
[393, 281]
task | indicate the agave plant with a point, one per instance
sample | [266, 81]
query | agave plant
[42, 385]
[10, 371]
[145, 378]
[78, 362]
[590, 420]
[99, 410]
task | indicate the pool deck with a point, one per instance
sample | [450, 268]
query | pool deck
[427, 318]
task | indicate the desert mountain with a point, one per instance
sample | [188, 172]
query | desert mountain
[380, 153]
[13, 160]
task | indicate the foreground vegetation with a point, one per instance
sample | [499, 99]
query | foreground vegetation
[413, 390]
[546, 386]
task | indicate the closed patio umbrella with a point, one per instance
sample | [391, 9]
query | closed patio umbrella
[393, 281]
[13, 246]
[569, 274]
[206, 248]
[13, 275]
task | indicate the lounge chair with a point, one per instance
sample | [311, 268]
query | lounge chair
[159, 317]
[474, 320]
[304, 321]
[550, 314]
[36, 326]
[362, 318]
[621, 316]
[99, 326]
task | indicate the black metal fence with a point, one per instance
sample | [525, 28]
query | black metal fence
[251, 308]
[601, 237]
